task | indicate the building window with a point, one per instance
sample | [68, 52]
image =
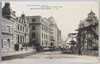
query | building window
[23, 28]
[42, 42]
[33, 27]
[8, 29]
[42, 35]
[18, 26]
[8, 41]
[33, 35]
[18, 38]
[42, 27]
[33, 20]
[23, 39]
[2, 42]
[46, 43]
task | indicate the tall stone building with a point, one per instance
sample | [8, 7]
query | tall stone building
[39, 30]
[88, 33]
[43, 31]
[53, 31]
[8, 24]
[14, 30]
[21, 31]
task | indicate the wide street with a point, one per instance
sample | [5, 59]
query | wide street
[55, 56]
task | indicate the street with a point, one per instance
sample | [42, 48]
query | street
[56, 56]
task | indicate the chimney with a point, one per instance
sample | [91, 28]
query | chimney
[7, 4]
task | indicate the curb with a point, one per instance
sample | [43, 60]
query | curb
[22, 55]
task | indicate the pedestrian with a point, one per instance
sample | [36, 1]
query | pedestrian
[80, 52]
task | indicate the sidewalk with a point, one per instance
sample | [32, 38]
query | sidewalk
[17, 54]
[93, 53]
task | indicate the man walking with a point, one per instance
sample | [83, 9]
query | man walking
[79, 52]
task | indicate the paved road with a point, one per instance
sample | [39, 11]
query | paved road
[56, 57]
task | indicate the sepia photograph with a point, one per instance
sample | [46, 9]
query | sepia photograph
[50, 32]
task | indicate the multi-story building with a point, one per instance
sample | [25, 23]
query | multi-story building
[8, 24]
[43, 31]
[14, 30]
[22, 31]
[53, 32]
[39, 31]
[88, 33]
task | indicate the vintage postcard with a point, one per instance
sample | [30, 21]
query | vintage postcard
[50, 31]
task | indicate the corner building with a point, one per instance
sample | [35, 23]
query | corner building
[43, 31]
[39, 30]
[15, 30]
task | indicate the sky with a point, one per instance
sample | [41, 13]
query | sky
[67, 14]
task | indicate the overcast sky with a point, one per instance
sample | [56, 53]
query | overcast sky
[67, 16]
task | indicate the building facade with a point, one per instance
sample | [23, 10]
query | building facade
[53, 32]
[14, 30]
[43, 31]
[8, 24]
[88, 33]
[39, 30]
[22, 31]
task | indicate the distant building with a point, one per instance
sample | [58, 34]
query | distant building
[14, 30]
[53, 32]
[88, 33]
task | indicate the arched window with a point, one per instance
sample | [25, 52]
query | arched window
[8, 41]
